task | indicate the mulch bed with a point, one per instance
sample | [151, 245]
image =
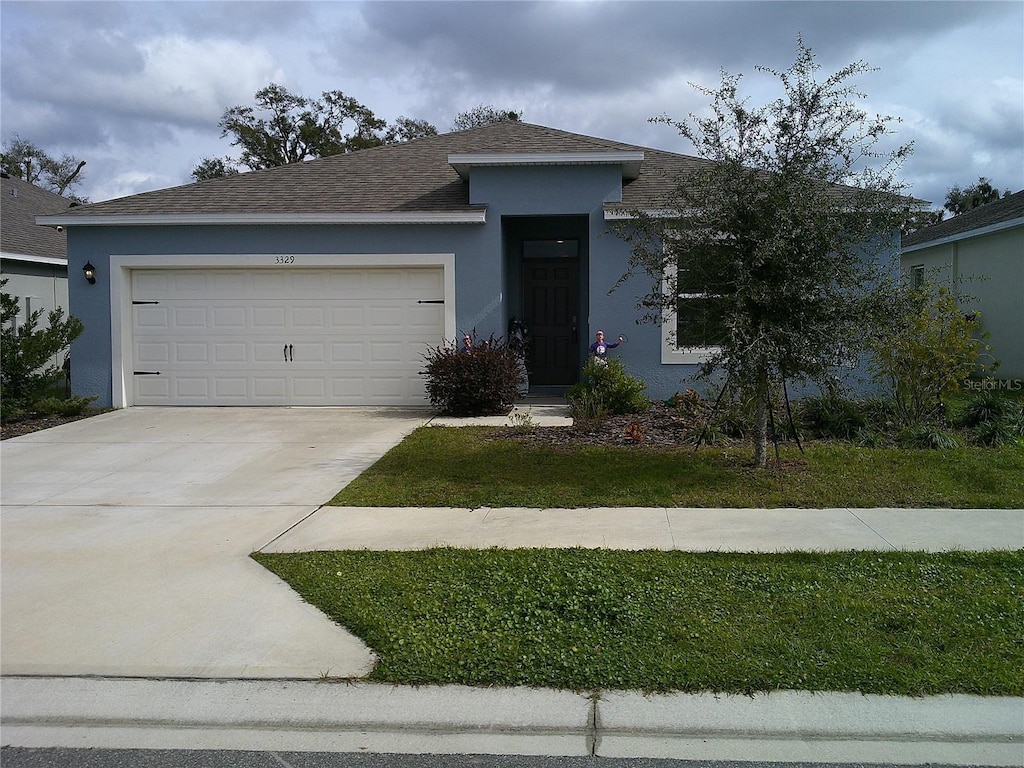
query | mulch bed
[660, 426]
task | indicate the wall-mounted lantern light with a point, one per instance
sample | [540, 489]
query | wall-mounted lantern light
[90, 272]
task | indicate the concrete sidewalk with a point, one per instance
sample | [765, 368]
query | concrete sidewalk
[700, 530]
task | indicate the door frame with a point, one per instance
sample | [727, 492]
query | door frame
[516, 230]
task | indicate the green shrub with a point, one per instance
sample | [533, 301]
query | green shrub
[60, 406]
[931, 436]
[996, 433]
[832, 416]
[28, 349]
[932, 348]
[484, 381]
[605, 386]
[988, 407]
[992, 418]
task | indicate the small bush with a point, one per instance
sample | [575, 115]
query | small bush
[992, 418]
[586, 407]
[996, 433]
[988, 407]
[931, 349]
[28, 350]
[605, 386]
[60, 406]
[483, 382]
[932, 436]
[832, 416]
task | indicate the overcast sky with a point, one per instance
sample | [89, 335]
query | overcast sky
[137, 88]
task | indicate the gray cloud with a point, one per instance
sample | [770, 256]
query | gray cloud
[137, 88]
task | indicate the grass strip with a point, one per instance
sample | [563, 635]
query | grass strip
[460, 467]
[907, 623]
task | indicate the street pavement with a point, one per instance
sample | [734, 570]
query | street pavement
[132, 615]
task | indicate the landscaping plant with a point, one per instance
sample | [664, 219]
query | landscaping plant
[605, 388]
[487, 380]
[927, 354]
[28, 350]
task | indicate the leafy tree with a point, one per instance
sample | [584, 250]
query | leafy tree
[482, 115]
[968, 198]
[214, 168]
[920, 219]
[285, 128]
[22, 159]
[408, 128]
[775, 243]
[27, 351]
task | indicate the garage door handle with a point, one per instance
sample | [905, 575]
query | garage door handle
[289, 354]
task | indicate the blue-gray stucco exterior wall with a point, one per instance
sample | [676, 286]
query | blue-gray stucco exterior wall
[485, 291]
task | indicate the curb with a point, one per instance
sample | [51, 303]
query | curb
[339, 716]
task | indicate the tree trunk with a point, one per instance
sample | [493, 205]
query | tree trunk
[761, 433]
[761, 424]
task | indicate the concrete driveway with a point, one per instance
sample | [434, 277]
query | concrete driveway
[125, 540]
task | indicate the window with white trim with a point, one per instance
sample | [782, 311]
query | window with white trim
[694, 328]
[917, 276]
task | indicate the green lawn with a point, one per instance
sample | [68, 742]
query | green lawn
[458, 467]
[906, 623]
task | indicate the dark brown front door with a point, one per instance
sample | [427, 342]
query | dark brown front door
[550, 308]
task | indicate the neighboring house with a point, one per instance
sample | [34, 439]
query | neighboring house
[33, 259]
[981, 255]
[324, 282]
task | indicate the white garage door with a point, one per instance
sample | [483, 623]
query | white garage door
[289, 336]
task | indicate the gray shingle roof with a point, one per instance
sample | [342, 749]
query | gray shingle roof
[19, 234]
[1006, 209]
[414, 177]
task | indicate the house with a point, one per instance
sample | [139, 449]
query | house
[981, 255]
[33, 259]
[324, 282]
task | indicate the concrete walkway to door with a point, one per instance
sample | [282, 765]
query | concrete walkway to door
[126, 540]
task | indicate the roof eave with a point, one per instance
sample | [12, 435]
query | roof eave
[220, 219]
[964, 235]
[28, 257]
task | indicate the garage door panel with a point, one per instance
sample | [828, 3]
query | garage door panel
[151, 316]
[304, 354]
[230, 386]
[194, 317]
[272, 317]
[219, 336]
[191, 352]
[268, 352]
[229, 352]
[305, 388]
[314, 318]
[270, 386]
[152, 388]
[153, 352]
[192, 386]
[228, 317]
[347, 352]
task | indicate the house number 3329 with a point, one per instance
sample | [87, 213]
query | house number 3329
[284, 259]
